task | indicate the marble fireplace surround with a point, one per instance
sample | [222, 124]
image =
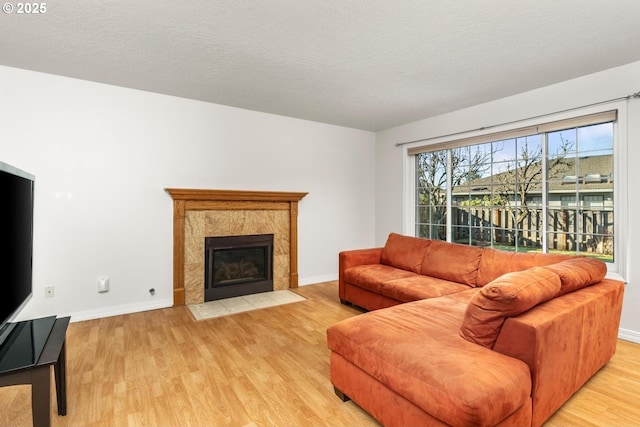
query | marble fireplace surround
[210, 213]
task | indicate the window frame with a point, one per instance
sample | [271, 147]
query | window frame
[617, 268]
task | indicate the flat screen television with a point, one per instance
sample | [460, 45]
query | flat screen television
[16, 237]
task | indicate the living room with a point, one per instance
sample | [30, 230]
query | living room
[104, 153]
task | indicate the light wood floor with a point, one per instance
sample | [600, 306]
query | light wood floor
[268, 367]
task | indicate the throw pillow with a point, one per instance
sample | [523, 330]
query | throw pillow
[508, 295]
[578, 272]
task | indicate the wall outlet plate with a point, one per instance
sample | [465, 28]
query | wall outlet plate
[49, 292]
[103, 284]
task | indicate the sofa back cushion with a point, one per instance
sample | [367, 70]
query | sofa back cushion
[404, 252]
[496, 262]
[452, 261]
[578, 272]
[509, 295]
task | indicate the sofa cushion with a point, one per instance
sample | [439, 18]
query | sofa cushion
[415, 350]
[419, 287]
[508, 295]
[452, 261]
[576, 273]
[496, 262]
[404, 252]
[372, 276]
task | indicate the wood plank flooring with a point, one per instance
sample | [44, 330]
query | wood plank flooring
[267, 367]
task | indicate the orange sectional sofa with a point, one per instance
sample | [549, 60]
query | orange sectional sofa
[466, 336]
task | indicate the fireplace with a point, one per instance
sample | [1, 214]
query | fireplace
[238, 265]
[199, 213]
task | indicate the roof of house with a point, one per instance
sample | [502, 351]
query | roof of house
[594, 173]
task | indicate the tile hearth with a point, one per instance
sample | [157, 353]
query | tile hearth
[225, 307]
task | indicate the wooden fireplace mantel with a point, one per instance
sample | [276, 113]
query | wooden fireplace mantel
[196, 199]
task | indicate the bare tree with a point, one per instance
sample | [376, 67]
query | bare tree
[431, 170]
[511, 188]
[466, 165]
[524, 177]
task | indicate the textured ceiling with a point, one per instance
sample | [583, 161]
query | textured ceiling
[368, 64]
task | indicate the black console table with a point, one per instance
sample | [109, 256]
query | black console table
[35, 346]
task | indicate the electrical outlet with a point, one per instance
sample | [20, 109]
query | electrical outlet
[48, 292]
[103, 284]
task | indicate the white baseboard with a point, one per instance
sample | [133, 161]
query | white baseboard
[116, 311]
[628, 335]
[317, 279]
[136, 308]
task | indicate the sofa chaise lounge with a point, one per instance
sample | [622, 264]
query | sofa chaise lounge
[466, 336]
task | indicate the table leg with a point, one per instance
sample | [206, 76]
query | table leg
[41, 396]
[60, 370]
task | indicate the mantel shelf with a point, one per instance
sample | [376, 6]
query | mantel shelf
[234, 195]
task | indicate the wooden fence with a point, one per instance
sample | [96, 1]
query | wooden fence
[583, 230]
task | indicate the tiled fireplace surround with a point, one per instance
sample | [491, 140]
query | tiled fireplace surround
[212, 213]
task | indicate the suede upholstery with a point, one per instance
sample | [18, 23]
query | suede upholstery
[438, 380]
[495, 263]
[474, 336]
[391, 408]
[564, 341]
[404, 252]
[507, 296]
[353, 258]
[418, 287]
[442, 255]
[576, 273]
[372, 277]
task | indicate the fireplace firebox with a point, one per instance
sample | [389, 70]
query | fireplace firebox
[238, 265]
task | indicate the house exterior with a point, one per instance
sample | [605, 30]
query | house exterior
[507, 209]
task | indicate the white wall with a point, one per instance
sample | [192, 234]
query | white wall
[584, 91]
[102, 156]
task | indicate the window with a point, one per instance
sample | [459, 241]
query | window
[585, 224]
[565, 202]
[546, 188]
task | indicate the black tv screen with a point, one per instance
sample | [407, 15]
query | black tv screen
[16, 237]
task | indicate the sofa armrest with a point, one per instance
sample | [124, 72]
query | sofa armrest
[347, 259]
[565, 341]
